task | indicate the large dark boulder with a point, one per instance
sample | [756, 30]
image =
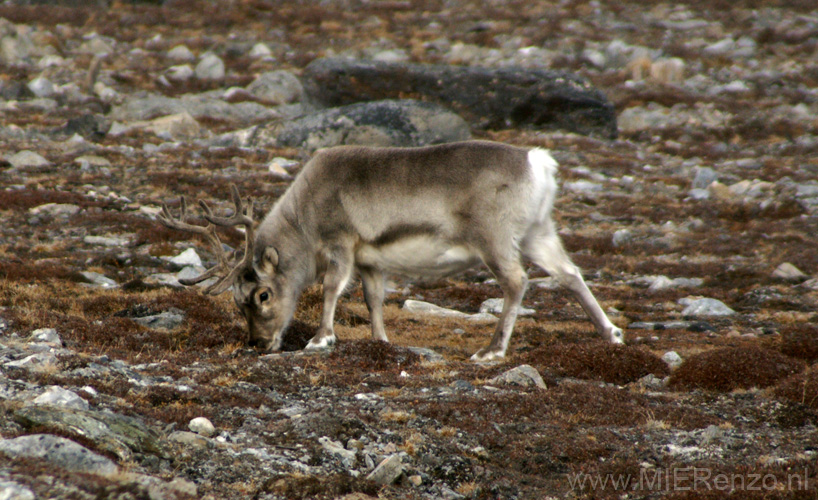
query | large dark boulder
[487, 97]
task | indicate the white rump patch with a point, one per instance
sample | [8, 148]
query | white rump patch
[543, 172]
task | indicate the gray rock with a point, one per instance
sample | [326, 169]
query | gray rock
[202, 426]
[168, 320]
[190, 439]
[388, 471]
[108, 241]
[428, 355]
[261, 51]
[99, 279]
[188, 257]
[198, 106]
[41, 87]
[39, 362]
[383, 123]
[495, 306]
[583, 186]
[651, 382]
[665, 283]
[56, 210]
[57, 396]
[704, 176]
[9, 490]
[210, 67]
[46, 336]
[180, 73]
[110, 432]
[421, 307]
[181, 53]
[788, 271]
[60, 452]
[672, 359]
[27, 158]
[622, 237]
[705, 307]
[487, 97]
[335, 448]
[523, 375]
[277, 87]
[638, 118]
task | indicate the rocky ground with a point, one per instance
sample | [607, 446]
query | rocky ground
[697, 228]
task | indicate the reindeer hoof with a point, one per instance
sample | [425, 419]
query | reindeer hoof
[616, 336]
[486, 355]
[317, 343]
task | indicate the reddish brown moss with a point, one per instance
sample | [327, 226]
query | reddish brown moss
[801, 388]
[597, 360]
[732, 368]
[299, 487]
[39, 272]
[800, 341]
[373, 355]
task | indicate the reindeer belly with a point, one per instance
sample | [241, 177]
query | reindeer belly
[418, 256]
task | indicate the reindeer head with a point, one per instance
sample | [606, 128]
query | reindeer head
[260, 293]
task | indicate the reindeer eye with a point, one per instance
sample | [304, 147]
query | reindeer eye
[263, 297]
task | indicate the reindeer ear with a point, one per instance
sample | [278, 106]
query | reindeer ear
[269, 260]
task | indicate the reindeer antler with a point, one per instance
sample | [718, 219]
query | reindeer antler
[242, 217]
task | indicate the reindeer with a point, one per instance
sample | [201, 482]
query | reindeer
[430, 211]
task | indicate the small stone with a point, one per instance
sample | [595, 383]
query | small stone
[9, 490]
[260, 51]
[41, 87]
[167, 320]
[523, 375]
[277, 87]
[61, 210]
[672, 359]
[705, 307]
[27, 158]
[622, 237]
[190, 439]
[202, 426]
[415, 480]
[704, 176]
[428, 355]
[108, 241]
[495, 306]
[210, 67]
[179, 126]
[719, 191]
[583, 186]
[187, 258]
[418, 306]
[335, 448]
[98, 279]
[57, 396]
[181, 53]
[39, 362]
[180, 73]
[46, 336]
[388, 471]
[660, 283]
[788, 271]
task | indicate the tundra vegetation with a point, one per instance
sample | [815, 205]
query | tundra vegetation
[695, 228]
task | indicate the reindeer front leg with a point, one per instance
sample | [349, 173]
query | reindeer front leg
[339, 270]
